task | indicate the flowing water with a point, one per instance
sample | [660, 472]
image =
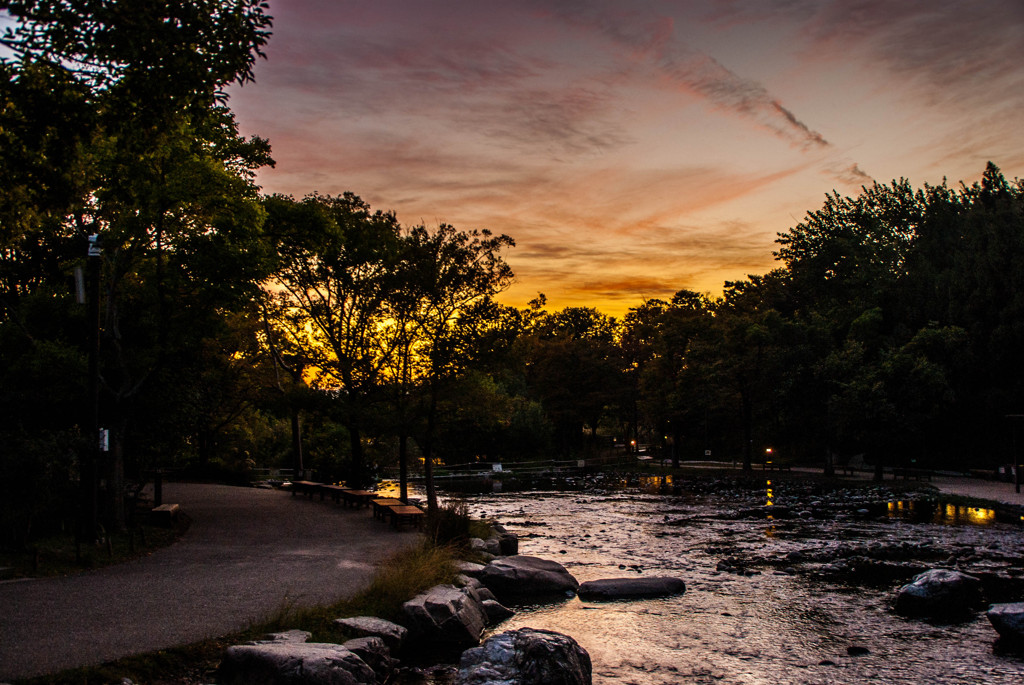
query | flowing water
[753, 621]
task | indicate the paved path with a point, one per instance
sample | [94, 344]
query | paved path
[248, 554]
[984, 489]
[997, 491]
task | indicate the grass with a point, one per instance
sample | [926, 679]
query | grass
[398, 579]
[59, 555]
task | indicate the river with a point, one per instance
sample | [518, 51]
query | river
[766, 602]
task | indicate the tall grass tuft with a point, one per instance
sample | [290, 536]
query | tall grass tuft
[450, 524]
[404, 576]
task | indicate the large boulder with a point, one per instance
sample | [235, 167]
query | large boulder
[286, 662]
[524, 576]
[1008, 620]
[939, 593]
[371, 626]
[445, 617]
[526, 657]
[631, 588]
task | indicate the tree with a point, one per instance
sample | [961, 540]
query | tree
[848, 255]
[637, 342]
[454, 276]
[576, 370]
[675, 384]
[331, 291]
[132, 142]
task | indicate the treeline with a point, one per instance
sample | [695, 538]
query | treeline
[215, 329]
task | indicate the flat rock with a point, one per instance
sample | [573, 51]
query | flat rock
[469, 568]
[523, 576]
[293, 663]
[371, 626]
[631, 588]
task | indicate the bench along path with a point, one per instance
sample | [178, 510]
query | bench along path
[248, 554]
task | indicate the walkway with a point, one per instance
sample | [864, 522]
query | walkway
[984, 489]
[248, 554]
[997, 491]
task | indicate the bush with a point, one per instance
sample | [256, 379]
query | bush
[450, 524]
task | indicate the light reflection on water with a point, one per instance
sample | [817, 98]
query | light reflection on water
[730, 628]
[946, 514]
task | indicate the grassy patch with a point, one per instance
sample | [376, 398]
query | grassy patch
[399, 578]
[60, 555]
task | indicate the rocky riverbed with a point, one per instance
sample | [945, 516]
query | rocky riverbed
[788, 580]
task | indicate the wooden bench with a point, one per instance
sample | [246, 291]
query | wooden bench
[852, 465]
[406, 513]
[908, 473]
[335, 491]
[306, 487]
[357, 498]
[776, 466]
[165, 514]
[382, 505]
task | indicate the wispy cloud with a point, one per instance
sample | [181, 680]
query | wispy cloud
[632, 149]
[652, 38]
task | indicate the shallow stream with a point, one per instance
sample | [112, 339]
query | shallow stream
[767, 599]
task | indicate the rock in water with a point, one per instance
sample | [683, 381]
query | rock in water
[288, 663]
[445, 617]
[1008, 620]
[526, 657]
[496, 611]
[631, 588]
[939, 593]
[525, 576]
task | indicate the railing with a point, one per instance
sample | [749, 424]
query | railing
[534, 467]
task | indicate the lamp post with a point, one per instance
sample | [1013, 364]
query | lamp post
[91, 457]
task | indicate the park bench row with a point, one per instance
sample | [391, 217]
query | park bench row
[384, 508]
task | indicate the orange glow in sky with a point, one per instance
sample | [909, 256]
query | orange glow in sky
[632, 149]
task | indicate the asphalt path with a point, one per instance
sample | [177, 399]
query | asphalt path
[248, 554]
[998, 491]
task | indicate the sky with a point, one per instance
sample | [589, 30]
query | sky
[632, 148]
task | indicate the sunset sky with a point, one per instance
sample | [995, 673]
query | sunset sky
[635, 148]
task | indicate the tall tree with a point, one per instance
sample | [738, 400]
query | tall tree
[337, 270]
[149, 158]
[576, 370]
[454, 276]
